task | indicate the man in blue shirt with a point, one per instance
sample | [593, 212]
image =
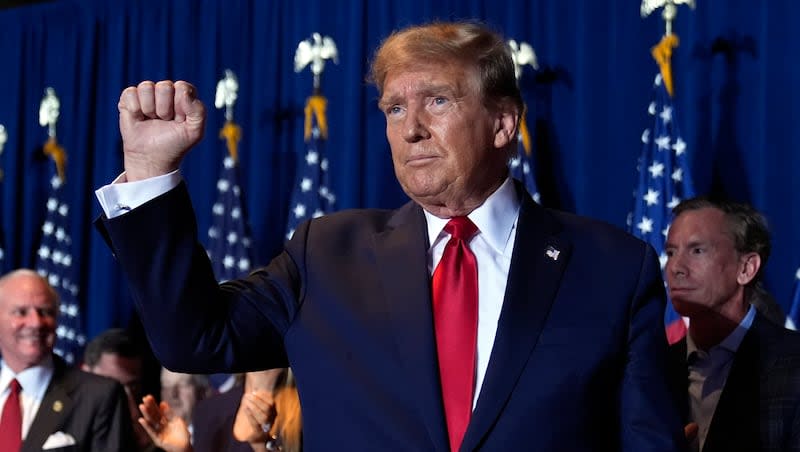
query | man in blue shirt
[743, 370]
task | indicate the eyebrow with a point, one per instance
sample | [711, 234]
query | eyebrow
[426, 90]
[691, 244]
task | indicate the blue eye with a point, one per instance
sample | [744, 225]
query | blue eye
[394, 110]
[440, 100]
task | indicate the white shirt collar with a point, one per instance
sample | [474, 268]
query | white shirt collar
[33, 380]
[495, 218]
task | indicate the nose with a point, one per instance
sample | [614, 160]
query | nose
[35, 318]
[415, 126]
[675, 267]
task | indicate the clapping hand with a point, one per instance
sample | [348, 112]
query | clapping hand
[167, 431]
[255, 417]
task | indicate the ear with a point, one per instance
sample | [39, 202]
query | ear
[505, 124]
[750, 263]
[85, 368]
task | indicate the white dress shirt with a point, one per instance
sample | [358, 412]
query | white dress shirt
[496, 220]
[34, 381]
[708, 372]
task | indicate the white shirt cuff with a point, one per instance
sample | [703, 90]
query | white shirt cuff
[121, 196]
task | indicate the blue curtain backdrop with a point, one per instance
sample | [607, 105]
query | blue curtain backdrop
[736, 76]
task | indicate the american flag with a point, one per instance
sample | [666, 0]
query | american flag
[522, 163]
[229, 243]
[54, 262]
[311, 197]
[664, 180]
[793, 319]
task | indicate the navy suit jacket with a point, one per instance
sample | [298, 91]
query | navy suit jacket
[90, 408]
[578, 363]
[759, 408]
[212, 421]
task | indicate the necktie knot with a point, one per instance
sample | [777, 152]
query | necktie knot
[14, 386]
[461, 228]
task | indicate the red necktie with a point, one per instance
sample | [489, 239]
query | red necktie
[11, 420]
[455, 312]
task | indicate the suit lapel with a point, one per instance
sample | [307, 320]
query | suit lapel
[401, 253]
[735, 423]
[537, 264]
[55, 405]
[678, 372]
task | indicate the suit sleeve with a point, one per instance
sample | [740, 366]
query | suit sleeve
[193, 324]
[650, 419]
[112, 427]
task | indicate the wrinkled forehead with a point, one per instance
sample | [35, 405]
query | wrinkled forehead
[424, 77]
[26, 290]
[701, 225]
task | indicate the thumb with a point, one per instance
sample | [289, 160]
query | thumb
[187, 106]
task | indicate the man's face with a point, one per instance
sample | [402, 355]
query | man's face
[180, 392]
[27, 321]
[127, 371]
[704, 271]
[446, 145]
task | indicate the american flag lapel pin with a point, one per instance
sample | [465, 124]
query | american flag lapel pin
[552, 253]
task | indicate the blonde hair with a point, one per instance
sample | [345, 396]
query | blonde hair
[289, 419]
[464, 43]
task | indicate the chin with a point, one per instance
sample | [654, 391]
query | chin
[687, 308]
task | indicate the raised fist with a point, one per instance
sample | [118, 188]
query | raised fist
[159, 123]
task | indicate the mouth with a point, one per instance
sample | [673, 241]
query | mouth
[34, 338]
[420, 160]
[678, 291]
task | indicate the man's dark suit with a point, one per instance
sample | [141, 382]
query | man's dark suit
[212, 423]
[759, 408]
[90, 408]
[579, 359]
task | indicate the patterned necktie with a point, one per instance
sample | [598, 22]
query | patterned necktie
[455, 312]
[11, 420]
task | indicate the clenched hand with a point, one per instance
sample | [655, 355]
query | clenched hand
[159, 123]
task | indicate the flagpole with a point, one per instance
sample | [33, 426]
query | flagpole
[54, 259]
[312, 196]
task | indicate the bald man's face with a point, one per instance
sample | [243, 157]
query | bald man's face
[27, 321]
